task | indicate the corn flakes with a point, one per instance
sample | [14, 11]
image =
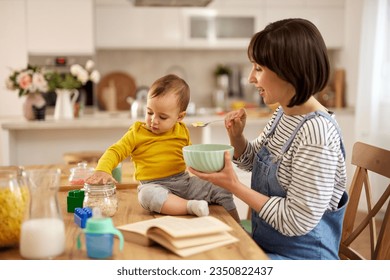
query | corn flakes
[12, 210]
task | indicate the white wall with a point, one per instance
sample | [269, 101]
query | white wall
[348, 57]
[13, 52]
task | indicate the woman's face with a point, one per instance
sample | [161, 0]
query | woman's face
[162, 113]
[271, 88]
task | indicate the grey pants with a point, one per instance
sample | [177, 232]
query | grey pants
[153, 193]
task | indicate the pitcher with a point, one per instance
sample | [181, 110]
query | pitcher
[43, 230]
[65, 103]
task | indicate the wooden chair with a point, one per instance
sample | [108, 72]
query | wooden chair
[368, 160]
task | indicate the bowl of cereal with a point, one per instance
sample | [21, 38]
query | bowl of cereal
[206, 158]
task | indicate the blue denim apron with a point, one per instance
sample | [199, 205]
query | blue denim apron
[320, 243]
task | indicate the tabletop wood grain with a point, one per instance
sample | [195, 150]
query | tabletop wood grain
[129, 211]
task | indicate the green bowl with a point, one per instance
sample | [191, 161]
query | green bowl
[207, 158]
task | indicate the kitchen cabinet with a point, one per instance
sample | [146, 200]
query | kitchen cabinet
[121, 25]
[128, 27]
[222, 28]
[226, 24]
[60, 27]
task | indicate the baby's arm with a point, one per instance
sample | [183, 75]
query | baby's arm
[100, 177]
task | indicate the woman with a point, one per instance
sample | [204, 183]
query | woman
[297, 192]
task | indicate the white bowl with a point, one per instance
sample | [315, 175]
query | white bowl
[206, 158]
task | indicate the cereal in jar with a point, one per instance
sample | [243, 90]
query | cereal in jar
[14, 197]
[101, 196]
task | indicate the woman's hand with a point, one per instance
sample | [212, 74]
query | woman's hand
[235, 122]
[100, 177]
[226, 178]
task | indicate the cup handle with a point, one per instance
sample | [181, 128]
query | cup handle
[120, 236]
[78, 241]
[75, 96]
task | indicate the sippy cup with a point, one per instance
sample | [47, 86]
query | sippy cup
[99, 235]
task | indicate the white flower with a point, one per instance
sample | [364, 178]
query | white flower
[75, 69]
[95, 76]
[39, 82]
[82, 76]
[89, 65]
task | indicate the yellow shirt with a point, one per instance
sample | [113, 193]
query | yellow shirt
[154, 156]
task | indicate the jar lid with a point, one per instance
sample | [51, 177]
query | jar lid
[99, 187]
[80, 173]
[82, 168]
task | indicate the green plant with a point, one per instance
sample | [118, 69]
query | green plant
[222, 70]
[77, 77]
[62, 81]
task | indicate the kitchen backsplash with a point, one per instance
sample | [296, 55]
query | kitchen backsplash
[195, 66]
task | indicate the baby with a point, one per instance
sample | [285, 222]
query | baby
[155, 147]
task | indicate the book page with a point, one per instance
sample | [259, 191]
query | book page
[139, 227]
[190, 241]
[136, 232]
[181, 227]
[136, 237]
[188, 251]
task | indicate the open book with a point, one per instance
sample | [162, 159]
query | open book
[182, 236]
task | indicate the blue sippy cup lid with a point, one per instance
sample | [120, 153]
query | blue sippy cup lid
[99, 224]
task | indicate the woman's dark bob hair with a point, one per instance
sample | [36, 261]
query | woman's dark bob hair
[295, 50]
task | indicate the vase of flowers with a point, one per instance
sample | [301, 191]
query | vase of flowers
[30, 83]
[67, 85]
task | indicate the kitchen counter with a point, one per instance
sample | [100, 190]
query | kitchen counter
[103, 120]
[44, 142]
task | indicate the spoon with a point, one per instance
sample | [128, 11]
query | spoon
[203, 124]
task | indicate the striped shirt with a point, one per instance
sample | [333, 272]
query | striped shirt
[312, 172]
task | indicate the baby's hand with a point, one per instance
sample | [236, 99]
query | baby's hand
[100, 177]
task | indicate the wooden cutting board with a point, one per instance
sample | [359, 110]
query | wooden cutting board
[113, 90]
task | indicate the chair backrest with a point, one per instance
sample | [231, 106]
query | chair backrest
[367, 159]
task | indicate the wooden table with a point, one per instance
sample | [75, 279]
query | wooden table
[130, 211]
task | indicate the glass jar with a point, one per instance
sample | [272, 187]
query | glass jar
[14, 197]
[101, 196]
[80, 173]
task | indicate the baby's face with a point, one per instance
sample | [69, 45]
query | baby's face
[162, 113]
